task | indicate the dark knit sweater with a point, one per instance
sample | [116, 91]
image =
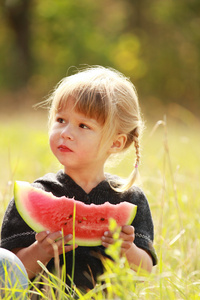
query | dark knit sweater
[16, 233]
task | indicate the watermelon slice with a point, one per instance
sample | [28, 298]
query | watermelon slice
[43, 211]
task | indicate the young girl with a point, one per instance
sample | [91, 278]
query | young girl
[93, 114]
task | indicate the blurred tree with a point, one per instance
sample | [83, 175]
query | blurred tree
[17, 15]
[169, 36]
[154, 42]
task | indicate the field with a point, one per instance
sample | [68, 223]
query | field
[169, 176]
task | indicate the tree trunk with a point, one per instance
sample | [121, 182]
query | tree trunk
[18, 16]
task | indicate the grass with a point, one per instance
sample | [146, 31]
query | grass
[170, 178]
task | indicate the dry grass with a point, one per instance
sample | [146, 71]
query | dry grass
[170, 179]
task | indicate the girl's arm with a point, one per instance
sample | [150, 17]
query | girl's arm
[46, 246]
[139, 257]
[136, 256]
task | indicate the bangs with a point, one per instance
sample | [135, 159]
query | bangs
[90, 102]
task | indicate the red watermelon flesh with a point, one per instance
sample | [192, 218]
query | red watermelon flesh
[43, 211]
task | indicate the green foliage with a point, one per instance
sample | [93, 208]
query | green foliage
[156, 43]
[170, 178]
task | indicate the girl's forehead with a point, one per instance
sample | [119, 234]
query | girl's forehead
[87, 106]
[67, 103]
[70, 106]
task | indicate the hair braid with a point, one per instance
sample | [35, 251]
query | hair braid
[137, 147]
[132, 137]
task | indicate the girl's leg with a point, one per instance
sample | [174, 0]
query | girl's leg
[13, 275]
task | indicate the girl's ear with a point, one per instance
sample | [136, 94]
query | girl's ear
[118, 143]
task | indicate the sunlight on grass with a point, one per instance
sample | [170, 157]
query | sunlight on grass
[170, 179]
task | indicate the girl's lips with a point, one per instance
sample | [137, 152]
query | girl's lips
[64, 148]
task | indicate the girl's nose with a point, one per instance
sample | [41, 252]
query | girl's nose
[67, 132]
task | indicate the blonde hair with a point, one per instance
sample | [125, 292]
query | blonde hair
[107, 96]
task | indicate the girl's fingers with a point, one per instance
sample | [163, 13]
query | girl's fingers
[64, 240]
[51, 238]
[47, 236]
[68, 238]
[128, 229]
[58, 244]
[126, 245]
[127, 234]
[51, 243]
[41, 236]
[126, 237]
[70, 247]
[107, 241]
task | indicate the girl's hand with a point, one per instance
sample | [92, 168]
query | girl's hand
[127, 235]
[51, 243]
[136, 256]
[46, 246]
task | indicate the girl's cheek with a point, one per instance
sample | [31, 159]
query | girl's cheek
[52, 142]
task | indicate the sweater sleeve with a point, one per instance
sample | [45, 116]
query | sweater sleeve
[143, 224]
[15, 232]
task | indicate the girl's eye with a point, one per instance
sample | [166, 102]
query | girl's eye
[60, 120]
[81, 125]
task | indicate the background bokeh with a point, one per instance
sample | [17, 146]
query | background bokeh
[154, 42]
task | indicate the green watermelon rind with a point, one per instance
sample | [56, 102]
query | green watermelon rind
[22, 188]
[18, 194]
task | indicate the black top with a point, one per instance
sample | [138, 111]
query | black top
[16, 233]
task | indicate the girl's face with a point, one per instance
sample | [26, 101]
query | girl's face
[75, 140]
